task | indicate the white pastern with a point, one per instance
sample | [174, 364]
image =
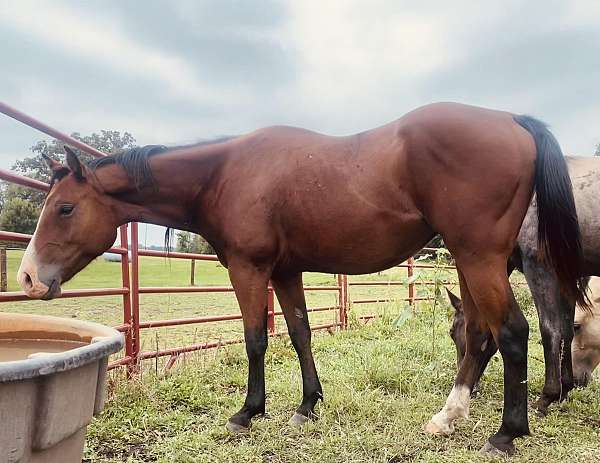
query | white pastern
[457, 406]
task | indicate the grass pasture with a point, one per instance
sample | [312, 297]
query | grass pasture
[382, 381]
[381, 384]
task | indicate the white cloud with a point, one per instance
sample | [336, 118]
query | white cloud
[351, 55]
[358, 64]
[99, 40]
[582, 13]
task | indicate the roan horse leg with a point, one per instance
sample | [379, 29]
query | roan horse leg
[479, 348]
[290, 294]
[250, 285]
[556, 316]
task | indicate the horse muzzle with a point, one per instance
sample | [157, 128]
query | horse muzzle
[36, 289]
[33, 284]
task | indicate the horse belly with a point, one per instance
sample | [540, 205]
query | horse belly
[356, 243]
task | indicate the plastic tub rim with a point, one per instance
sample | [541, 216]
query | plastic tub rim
[107, 341]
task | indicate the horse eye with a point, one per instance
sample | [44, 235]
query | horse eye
[576, 327]
[66, 210]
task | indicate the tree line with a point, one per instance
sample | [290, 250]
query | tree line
[190, 242]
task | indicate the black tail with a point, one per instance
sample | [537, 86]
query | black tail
[559, 238]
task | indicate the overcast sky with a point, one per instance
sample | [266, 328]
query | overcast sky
[177, 72]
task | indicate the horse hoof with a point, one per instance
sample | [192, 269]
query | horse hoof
[540, 407]
[235, 428]
[435, 429]
[298, 420]
[491, 450]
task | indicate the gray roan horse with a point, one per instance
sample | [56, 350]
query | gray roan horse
[281, 201]
[555, 311]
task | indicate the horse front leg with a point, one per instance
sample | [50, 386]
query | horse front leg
[556, 327]
[290, 294]
[250, 285]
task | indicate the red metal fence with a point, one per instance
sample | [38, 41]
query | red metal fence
[131, 290]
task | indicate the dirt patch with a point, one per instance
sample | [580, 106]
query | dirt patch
[139, 451]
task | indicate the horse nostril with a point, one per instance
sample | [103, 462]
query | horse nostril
[27, 280]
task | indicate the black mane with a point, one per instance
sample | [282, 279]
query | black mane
[135, 161]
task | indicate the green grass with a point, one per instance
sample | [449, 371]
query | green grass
[381, 385]
[381, 381]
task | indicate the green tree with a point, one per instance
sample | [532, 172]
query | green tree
[184, 241]
[107, 141]
[13, 196]
[190, 242]
[597, 152]
[19, 215]
[201, 246]
[2, 195]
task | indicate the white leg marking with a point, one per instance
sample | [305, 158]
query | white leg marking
[457, 406]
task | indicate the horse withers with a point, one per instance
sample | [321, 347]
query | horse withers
[281, 201]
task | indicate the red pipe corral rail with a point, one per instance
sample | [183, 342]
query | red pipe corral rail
[178, 255]
[13, 296]
[23, 181]
[31, 122]
[131, 289]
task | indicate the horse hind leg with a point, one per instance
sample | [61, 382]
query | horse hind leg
[489, 287]
[290, 294]
[480, 347]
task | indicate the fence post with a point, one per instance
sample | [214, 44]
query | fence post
[343, 300]
[126, 297]
[270, 309]
[411, 285]
[3, 279]
[135, 298]
[346, 300]
[340, 300]
[193, 273]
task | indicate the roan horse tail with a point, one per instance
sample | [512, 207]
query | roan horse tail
[559, 237]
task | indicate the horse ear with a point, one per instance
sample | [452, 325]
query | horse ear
[74, 164]
[455, 301]
[52, 163]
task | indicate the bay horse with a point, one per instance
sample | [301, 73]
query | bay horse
[281, 201]
[555, 311]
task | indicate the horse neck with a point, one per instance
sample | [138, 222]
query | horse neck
[181, 179]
